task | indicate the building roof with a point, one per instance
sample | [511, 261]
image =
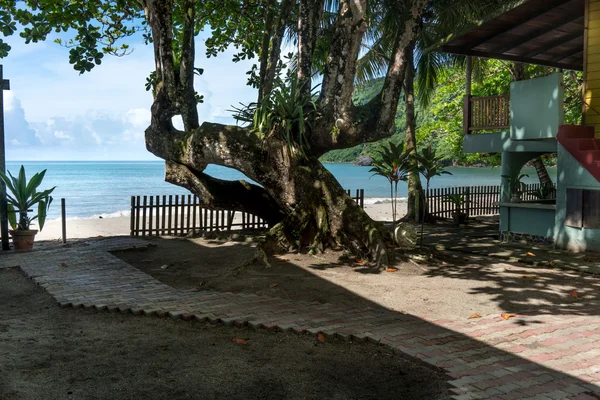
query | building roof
[542, 32]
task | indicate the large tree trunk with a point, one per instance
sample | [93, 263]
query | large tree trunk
[302, 202]
[415, 189]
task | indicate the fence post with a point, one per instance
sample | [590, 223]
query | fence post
[362, 198]
[468, 201]
[132, 217]
[63, 214]
[230, 216]
[137, 215]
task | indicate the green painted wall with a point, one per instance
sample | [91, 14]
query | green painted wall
[570, 174]
[536, 108]
[531, 221]
[501, 141]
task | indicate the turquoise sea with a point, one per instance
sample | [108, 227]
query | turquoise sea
[94, 189]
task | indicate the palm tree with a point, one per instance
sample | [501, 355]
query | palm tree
[444, 17]
[394, 164]
[429, 165]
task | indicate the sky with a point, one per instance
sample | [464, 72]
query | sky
[53, 113]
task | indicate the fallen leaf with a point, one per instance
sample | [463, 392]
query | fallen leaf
[529, 276]
[165, 266]
[64, 265]
[360, 261]
[530, 254]
[474, 316]
[284, 259]
[391, 269]
[239, 341]
[574, 294]
[99, 236]
[274, 284]
[507, 316]
[321, 338]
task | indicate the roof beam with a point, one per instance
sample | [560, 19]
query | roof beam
[484, 54]
[542, 7]
[537, 33]
[570, 54]
[554, 43]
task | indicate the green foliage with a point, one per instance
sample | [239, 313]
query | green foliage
[394, 164]
[98, 27]
[283, 114]
[429, 164]
[516, 184]
[545, 192]
[457, 199]
[24, 195]
[440, 124]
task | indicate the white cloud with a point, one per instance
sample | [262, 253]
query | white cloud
[61, 135]
[96, 138]
[55, 113]
[138, 118]
[9, 96]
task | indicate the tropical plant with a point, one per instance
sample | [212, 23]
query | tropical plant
[393, 163]
[545, 192]
[429, 165]
[425, 65]
[23, 196]
[457, 199]
[284, 113]
[516, 186]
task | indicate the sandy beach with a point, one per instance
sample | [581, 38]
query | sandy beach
[88, 227]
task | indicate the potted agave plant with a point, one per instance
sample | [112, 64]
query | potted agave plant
[458, 215]
[21, 197]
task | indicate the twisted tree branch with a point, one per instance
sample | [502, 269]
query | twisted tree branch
[228, 195]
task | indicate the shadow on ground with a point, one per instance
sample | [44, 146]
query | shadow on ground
[520, 357]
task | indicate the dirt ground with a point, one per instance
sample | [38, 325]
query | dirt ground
[449, 285]
[51, 353]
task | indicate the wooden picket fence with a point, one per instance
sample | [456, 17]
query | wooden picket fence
[359, 197]
[180, 214]
[480, 200]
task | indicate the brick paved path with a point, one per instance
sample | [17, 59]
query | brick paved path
[526, 357]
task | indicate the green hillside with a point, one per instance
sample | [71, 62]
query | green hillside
[440, 125]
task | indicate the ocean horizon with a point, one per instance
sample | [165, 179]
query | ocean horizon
[94, 189]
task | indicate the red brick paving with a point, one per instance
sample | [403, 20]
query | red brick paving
[529, 356]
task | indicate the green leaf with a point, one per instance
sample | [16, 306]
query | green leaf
[12, 216]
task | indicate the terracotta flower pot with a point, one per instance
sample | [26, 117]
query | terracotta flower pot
[459, 217]
[23, 239]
